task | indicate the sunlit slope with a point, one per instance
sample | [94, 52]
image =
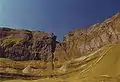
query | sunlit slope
[40, 80]
[106, 68]
[103, 68]
[108, 65]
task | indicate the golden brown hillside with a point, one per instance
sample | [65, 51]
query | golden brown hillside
[85, 55]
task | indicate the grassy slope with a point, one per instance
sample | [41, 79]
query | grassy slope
[107, 69]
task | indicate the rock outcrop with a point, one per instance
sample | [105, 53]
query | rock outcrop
[49, 56]
[26, 45]
[80, 42]
[34, 45]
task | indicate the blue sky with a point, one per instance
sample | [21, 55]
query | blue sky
[57, 16]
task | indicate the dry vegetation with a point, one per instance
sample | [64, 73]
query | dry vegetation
[102, 65]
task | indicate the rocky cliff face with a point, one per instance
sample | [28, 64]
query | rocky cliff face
[83, 41]
[26, 45]
[33, 45]
[61, 57]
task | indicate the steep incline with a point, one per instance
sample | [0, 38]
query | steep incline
[104, 68]
[85, 55]
[26, 45]
[107, 69]
[84, 41]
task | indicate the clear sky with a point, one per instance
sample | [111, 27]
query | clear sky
[57, 16]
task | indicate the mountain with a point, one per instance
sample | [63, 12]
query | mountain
[85, 55]
[84, 41]
[26, 45]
